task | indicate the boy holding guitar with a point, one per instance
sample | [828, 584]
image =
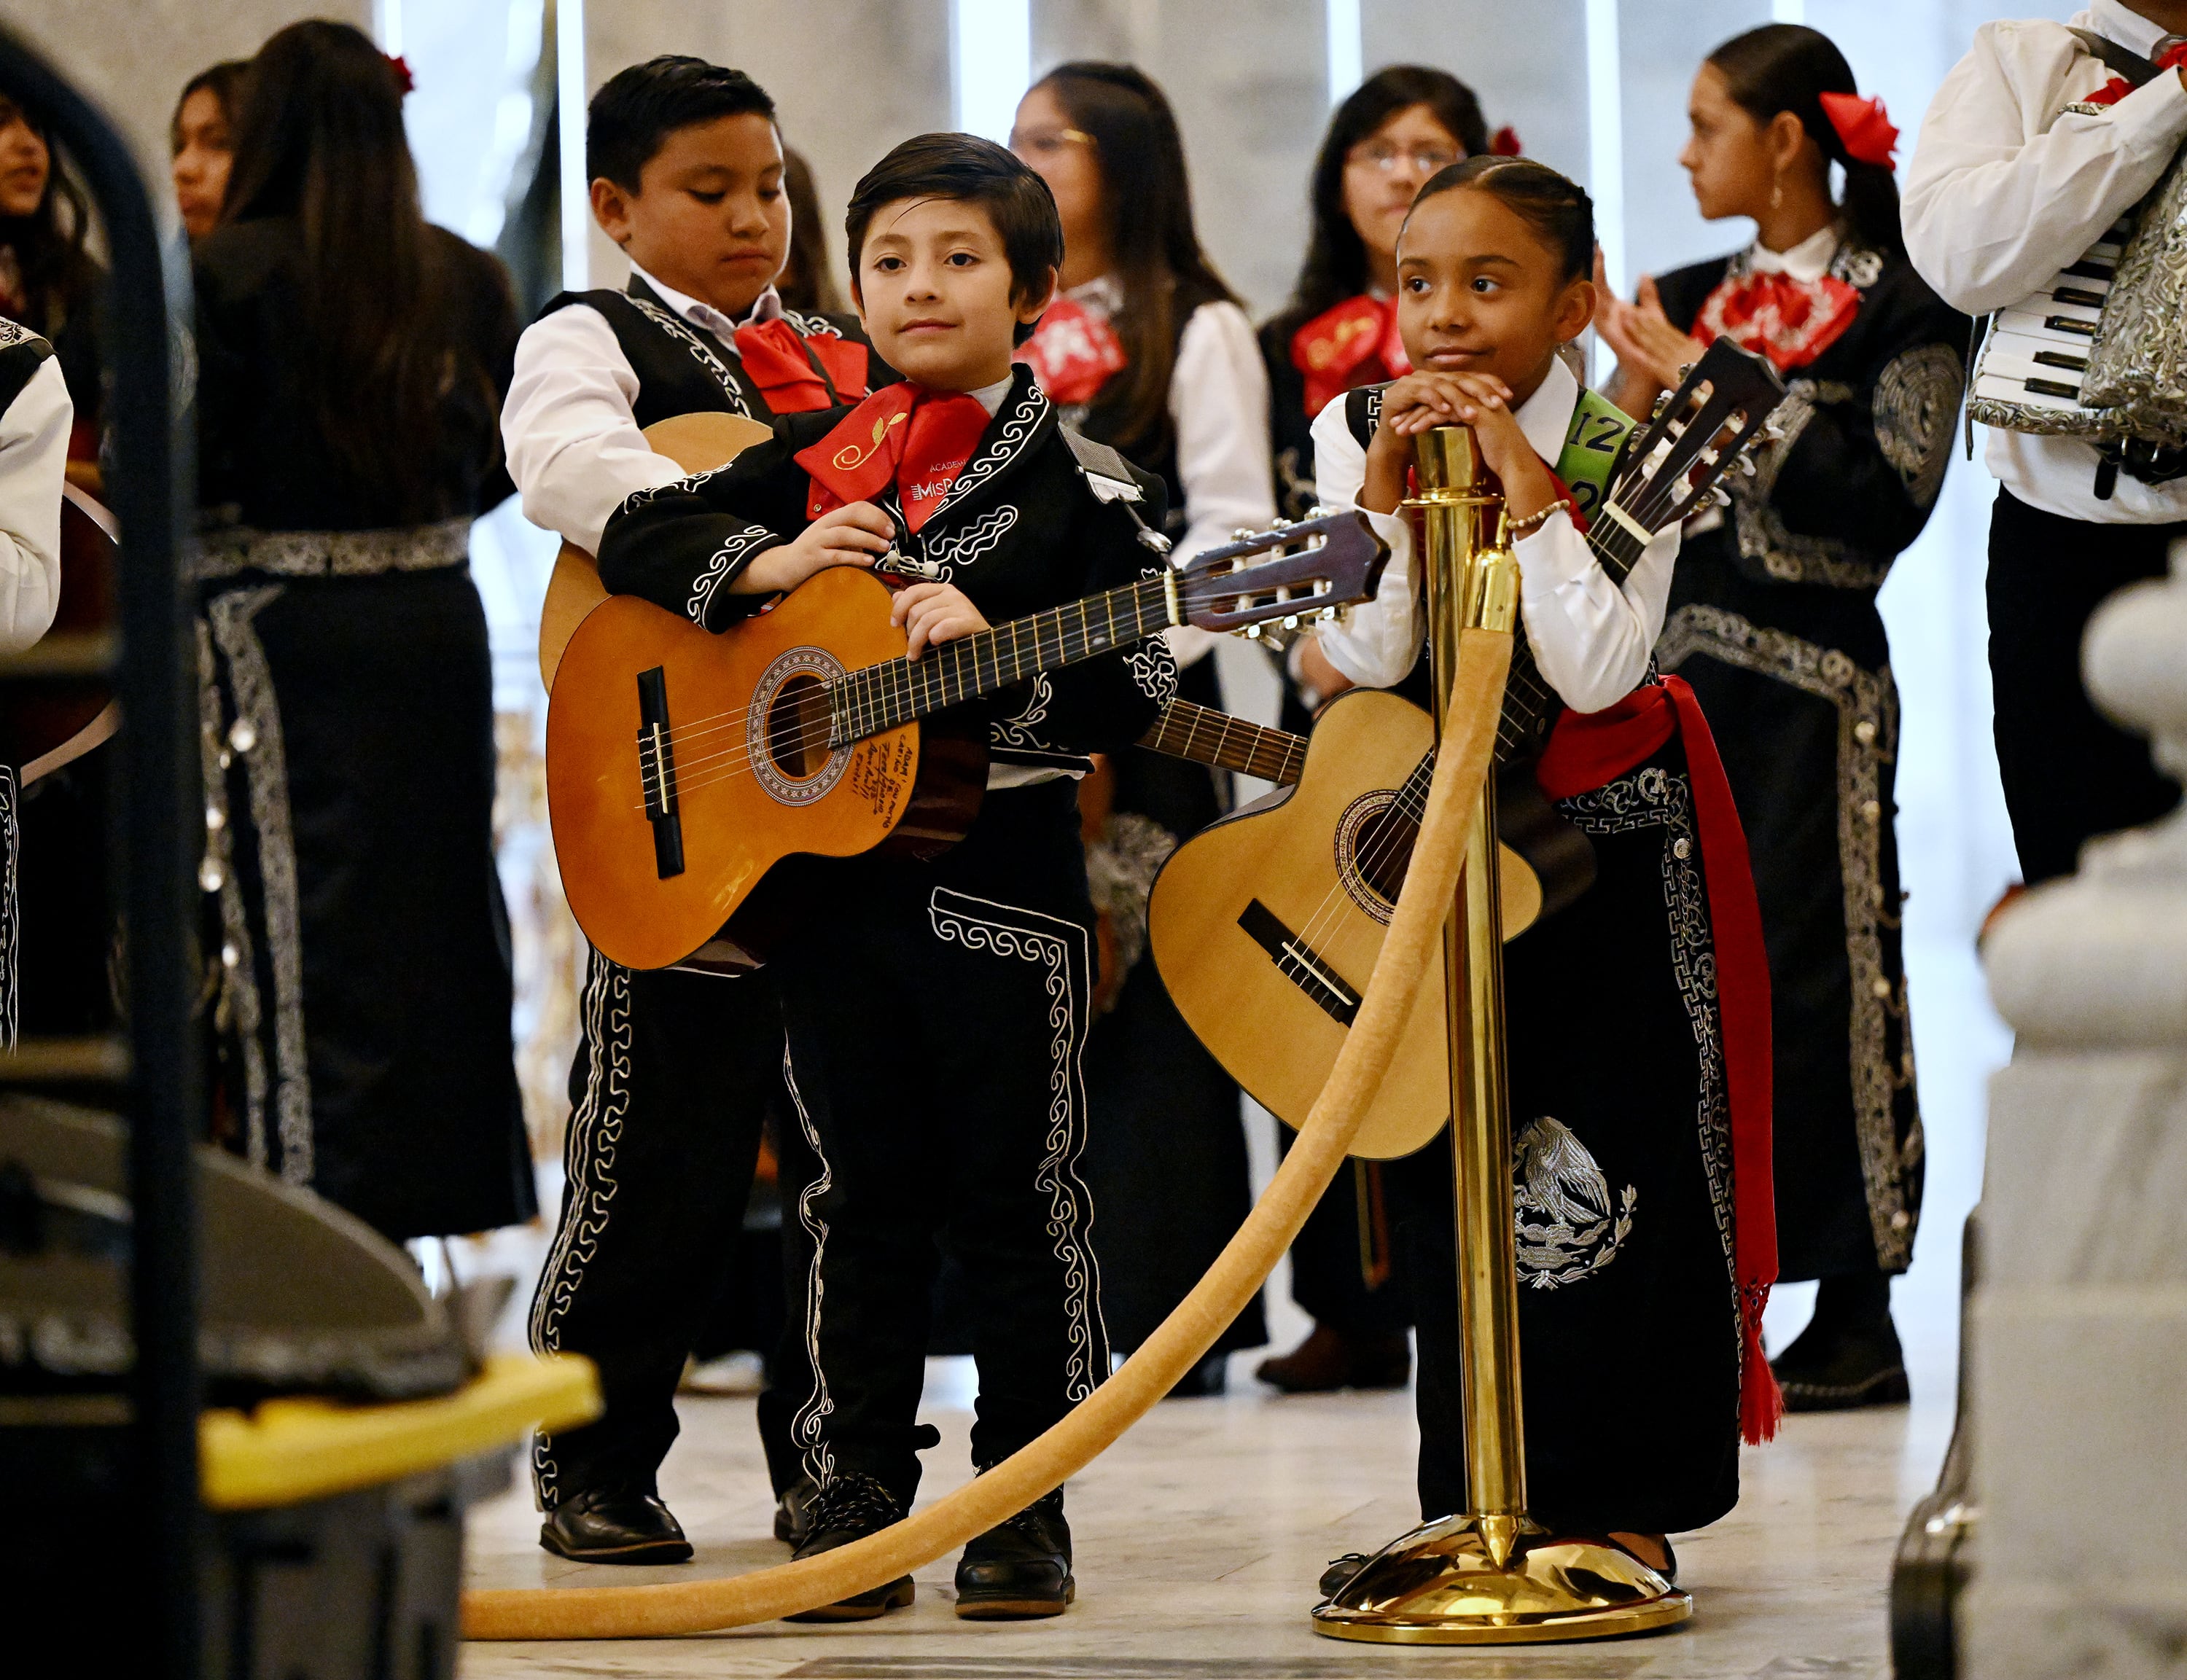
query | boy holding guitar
[1640, 1107]
[936, 1011]
[675, 1067]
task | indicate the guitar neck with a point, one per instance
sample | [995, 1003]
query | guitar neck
[1206, 736]
[900, 691]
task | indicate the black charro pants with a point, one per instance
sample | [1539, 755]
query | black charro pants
[672, 1082]
[2069, 773]
[937, 1017]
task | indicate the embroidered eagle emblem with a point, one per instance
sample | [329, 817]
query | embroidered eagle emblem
[1569, 1226]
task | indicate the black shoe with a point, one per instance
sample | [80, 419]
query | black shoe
[614, 1526]
[1020, 1568]
[1847, 1357]
[1211, 1377]
[793, 1511]
[850, 1507]
[1338, 1574]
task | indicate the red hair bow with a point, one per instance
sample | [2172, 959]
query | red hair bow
[1504, 143]
[403, 79]
[1864, 126]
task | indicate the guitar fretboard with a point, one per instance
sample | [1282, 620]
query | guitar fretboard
[1207, 736]
[899, 691]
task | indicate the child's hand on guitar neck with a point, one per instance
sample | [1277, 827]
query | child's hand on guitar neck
[852, 535]
[1423, 400]
[935, 613]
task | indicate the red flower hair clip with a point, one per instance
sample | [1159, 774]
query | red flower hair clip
[403, 79]
[1864, 126]
[1504, 143]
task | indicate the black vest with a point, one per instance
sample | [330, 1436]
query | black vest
[683, 369]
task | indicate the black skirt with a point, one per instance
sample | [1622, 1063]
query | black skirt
[364, 1007]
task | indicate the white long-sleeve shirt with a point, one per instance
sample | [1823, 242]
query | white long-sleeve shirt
[1591, 637]
[34, 440]
[569, 424]
[1218, 403]
[2006, 187]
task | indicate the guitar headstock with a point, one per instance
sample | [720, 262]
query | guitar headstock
[1698, 434]
[1287, 573]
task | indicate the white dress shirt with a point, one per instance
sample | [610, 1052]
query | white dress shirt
[2006, 187]
[1591, 637]
[568, 423]
[1218, 403]
[34, 440]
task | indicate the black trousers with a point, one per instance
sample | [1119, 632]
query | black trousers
[668, 1092]
[2069, 773]
[937, 1017]
[1343, 1262]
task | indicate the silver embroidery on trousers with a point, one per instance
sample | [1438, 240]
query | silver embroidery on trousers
[808, 1424]
[1569, 1225]
[240, 1010]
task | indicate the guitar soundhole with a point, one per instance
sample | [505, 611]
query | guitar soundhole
[797, 727]
[1374, 843]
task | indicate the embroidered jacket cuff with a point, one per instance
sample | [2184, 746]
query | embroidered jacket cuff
[713, 605]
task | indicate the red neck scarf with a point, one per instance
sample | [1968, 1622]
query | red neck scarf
[1791, 322]
[1073, 352]
[1354, 343]
[2172, 58]
[795, 373]
[917, 439]
[1585, 750]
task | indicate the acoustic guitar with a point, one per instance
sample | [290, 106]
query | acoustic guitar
[1551, 864]
[683, 765]
[1266, 925]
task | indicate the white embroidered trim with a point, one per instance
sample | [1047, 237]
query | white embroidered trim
[11, 842]
[1017, 731]
[728, 558]
[333, 554]
[240, 1007]
[975, 540]
[806, 1424]
[679, 329]
[1032, 407]
[266, 773]
[588, 1162]
[1060, 948]
[1867, 739]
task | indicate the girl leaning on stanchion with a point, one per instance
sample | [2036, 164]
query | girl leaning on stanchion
[1772, 619]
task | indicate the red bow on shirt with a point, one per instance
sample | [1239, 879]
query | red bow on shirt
[1791, 322]
[917, 439]
[787, 367]
[1073, 352]
[2118, 87]
[1355, 344]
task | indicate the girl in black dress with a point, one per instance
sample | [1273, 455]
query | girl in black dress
[1144, 348]
[1772, 619]
[1340, 331]
[352, 361]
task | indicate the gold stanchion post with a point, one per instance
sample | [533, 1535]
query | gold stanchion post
[1490, 1576]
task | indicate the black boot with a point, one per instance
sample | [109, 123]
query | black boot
[1849, 1355]
[793, 1511]
[1019, 1568]
[850, 1506]
[615, 1525]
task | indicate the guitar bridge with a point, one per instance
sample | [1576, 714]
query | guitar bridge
[1298, 962]
[656, 769]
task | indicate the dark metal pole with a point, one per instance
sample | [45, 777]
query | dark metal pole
[162, 833]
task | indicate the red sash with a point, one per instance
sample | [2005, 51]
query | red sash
[1585, 750]
[1354, 343]
[1073, 352]
[781, 362]
[917, 439]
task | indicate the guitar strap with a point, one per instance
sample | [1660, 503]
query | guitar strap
[1109, 476]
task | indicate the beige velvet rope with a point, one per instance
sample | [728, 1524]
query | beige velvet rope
[1184, 1338]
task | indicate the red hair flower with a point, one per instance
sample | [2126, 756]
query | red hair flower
[403, 79]
[1864, 126]
[1504, 143]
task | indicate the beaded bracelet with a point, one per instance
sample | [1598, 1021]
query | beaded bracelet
[1534, 521]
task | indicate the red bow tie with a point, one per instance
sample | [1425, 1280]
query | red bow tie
[1354, 343]
[787, 367]
[1073, 352]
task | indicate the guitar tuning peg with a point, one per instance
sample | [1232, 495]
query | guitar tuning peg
[1720, 496]
[1328, 614]
[1746, 466]
[1252, 633]
[1662, 403]
[1291, 622]
[1242, 533]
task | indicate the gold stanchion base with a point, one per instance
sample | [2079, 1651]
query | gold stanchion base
[1443, 1585]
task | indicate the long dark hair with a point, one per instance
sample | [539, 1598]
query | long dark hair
[1335, 265]
[1789, 67]
[224, 81]
[1163, 273]
[806, 282]
[58, 272]
[320, 139]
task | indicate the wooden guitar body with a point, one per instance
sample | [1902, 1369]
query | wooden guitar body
[754, 780]
[698, 443]
[1266, 926]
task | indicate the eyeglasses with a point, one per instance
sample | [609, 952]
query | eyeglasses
[1047, 142]
[1428, 159]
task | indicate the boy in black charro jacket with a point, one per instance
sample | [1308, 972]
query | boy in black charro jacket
[936, 1011]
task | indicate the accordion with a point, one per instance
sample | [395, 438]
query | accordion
[2099, 350]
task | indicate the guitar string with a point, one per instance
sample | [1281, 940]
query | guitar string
[735, 759]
